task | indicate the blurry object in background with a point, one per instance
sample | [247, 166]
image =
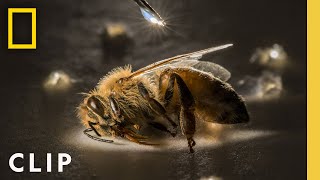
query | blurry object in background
[149, 13]
[57, 81]
[116, 40]
[115, 30]
[265, 87]
[211, 178]
[273, 57]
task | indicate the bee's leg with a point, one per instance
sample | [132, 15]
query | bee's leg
[156, 106]
[187, 117]
[91, 124]
[162, 127]
[130, 135]
[137, 140]
[170, 87]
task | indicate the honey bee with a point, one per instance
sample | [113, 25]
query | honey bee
[165, 95]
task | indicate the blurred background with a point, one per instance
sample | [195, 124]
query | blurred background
[78, 42]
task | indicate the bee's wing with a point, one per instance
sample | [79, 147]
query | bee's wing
[203, 66]
[215, 69]
[187, 60]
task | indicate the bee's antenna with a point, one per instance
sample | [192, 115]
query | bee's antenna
[86, 132]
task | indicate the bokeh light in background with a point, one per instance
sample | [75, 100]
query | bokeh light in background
[267, 86]
[211, 178]
[114, 30]
[58, 81]
[274, 57]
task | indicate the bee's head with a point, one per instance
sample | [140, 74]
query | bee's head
[95, 109]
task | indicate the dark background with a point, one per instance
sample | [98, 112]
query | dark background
[69, 39]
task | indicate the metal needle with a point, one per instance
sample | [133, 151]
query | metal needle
[149, 13]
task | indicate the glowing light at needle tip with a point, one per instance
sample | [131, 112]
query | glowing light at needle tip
[149, 13]
[151, 18]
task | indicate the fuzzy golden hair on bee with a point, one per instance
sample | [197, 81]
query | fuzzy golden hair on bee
[127, 96]
[180, 90]
[107, 82]
[130, 98]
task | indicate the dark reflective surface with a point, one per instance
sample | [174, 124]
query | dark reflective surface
[271, 146]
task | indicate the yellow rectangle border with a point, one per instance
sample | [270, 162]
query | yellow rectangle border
[313, 90]
[33, 44]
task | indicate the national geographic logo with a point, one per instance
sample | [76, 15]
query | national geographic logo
[13, 28]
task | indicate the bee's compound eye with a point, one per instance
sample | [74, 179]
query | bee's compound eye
[95, 104]
[120, 81]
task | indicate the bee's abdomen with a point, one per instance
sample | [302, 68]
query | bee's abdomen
[216, 101]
